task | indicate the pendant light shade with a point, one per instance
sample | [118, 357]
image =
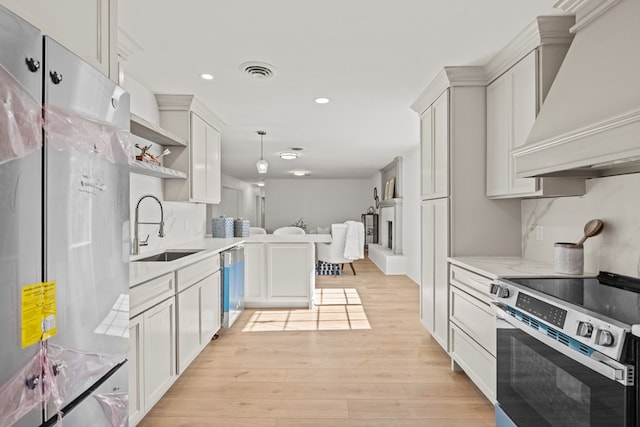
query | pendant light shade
[262, 164]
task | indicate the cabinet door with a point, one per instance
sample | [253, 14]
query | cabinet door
[434, 143]
[441, 146]
[428, 257]
[524, 104]
[498, 136]
[434, 299]
[426, 153]
[136, 379]
[198, 176]
[188, 320]
[440, 272]
[255, 271]
[159, 351]
[512, 106]
[214, 183]
[82, 26]
[290, 269]
[209, 308]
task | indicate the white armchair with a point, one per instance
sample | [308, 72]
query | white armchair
[289, 230]
[333, 253]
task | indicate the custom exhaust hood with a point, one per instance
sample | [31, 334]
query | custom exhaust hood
[589, 124]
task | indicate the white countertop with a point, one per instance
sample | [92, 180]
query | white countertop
[142, 271]
[146, 270]
[496, 267]
[288, 238]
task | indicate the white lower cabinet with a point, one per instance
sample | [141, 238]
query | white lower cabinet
[472, 329]
[279, 274]
[174, 316]
[434, 284]
[198, 318]
[159, 351]
[152, 349]
[136, 362]
[475, 361]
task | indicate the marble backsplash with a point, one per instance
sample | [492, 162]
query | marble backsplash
[615, 200]
[183, 222]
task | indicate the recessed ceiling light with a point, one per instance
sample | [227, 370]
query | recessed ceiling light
[260, 184]
[288, 155]
[206, 76]
[300, 173]
[321, 100]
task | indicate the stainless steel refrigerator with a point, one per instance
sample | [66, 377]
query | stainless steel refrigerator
[64, 235]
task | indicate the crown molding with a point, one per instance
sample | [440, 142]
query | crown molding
[586, 11]
[544, 30]
[446, 78]
[127, 46]
[167, 102]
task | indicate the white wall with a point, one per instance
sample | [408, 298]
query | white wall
[242, 192]
[320, 202]
[411, 212]
[615, 200]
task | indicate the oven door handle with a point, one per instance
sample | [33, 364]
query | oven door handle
[606, 367]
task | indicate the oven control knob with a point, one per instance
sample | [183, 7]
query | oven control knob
[503, 292]
[585, 329]
[604, 338]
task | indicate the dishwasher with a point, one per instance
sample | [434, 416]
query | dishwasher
[232, 285]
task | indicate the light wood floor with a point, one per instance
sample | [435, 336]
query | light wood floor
[329, 369]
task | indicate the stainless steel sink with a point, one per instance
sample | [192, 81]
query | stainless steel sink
[169, 255]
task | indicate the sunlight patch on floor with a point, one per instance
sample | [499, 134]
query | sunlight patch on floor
[335, 309]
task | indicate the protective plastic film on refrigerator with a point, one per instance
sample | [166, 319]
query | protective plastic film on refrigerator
[64, 246]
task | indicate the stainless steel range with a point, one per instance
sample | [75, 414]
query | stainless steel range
[566, 352]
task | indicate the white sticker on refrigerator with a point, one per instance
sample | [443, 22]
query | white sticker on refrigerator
[38, 312]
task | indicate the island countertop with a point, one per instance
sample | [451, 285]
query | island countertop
[141, 271]
[288, 238]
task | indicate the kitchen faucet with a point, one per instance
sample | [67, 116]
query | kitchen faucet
[135, 250]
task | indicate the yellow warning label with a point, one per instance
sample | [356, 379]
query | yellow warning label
[38, 312]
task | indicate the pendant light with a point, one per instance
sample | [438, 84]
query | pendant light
[262, 164]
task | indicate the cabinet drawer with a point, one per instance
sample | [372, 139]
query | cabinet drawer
[477, 363]
[475, 318]
[475, 284]
[193, 273]
[148, 294]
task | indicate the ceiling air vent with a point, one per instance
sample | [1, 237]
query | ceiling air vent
[258, 70]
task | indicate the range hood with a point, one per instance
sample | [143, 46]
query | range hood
[589, 123]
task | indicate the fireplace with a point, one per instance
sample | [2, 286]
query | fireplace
[390, 225]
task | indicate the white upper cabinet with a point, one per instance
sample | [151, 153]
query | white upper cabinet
[434, 148]
[521, 75]
[200, 159]
[86, 27]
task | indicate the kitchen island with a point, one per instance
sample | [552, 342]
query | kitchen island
[280, 269]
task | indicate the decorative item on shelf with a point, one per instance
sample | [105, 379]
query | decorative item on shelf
[222, 227]
[392, 187]
[386, 191]
[241, 227]
[262, 164]
[144, 155]
[301, 224]
[371, 210]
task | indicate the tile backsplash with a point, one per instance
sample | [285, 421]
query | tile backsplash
[615, 200]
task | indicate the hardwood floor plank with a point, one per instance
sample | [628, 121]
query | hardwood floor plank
[390, 373]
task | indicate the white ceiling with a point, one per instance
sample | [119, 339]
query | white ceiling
[372, 58]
